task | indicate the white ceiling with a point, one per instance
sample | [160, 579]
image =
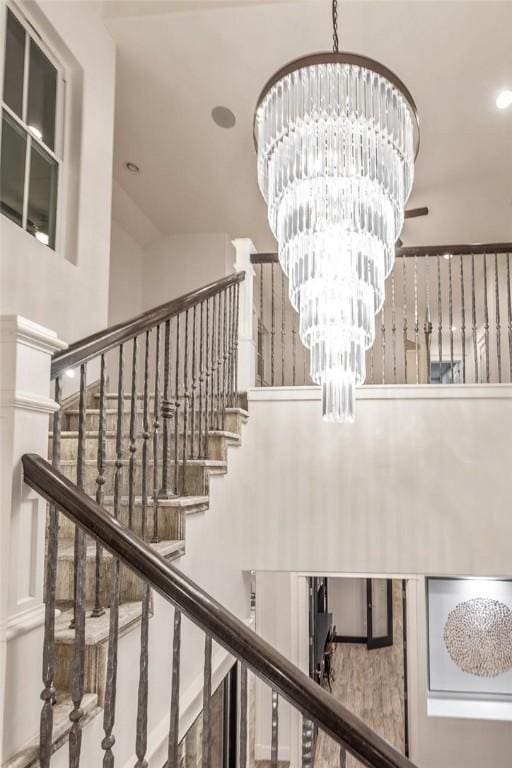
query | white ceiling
[178, 59]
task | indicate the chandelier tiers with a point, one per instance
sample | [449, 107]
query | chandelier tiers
[336, 135]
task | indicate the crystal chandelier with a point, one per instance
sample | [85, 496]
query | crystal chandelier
[337, 135]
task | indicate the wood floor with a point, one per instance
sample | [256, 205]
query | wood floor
[370, 684]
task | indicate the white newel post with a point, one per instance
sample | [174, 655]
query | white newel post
[25, 407]
[246, 343]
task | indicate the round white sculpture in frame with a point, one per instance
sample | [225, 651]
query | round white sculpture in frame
[478, 637]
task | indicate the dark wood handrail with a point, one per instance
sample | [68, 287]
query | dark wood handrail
[102, 341]
[276, 670]
[417, 250]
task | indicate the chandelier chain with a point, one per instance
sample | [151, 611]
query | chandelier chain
[335, 40]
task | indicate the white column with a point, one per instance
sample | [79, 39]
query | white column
[247, 347]
[25, 407]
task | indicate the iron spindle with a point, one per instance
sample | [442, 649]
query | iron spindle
[283, 307]
[194, 385]
[98, 609]
[207, 694]
[308, 743]
[145, 440]
[243, 716]
[273, 326]
[416, 324]
[177, 407]
[186, 397]
[213, 365]
[427, 327]
[509, 316]
[207, 381]
[393, 324]
[462, 320]
[156, 436]
[439, 320]
[224, 359]
[172, 751]
[294, 348]
[231, 399]
[404, 297]
[166, 411]
[219, 362]
[261, 327]
[77, 672]
[383, 344]
[450, 316]
[343, 757]
[201, 381]
[486, 323]
[109, 711]
[141, 738]
[48, 671]
[498, 317]
[473, 318]
[371, 366]
[274, 743]
[237, 311]
[132, 437]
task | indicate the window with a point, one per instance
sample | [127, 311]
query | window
[31, 149]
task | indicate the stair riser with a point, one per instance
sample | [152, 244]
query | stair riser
[170, 522]
[131, 587]
[71, 422]
[196, 478]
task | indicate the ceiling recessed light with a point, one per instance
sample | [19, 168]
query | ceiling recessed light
[132, 167]
[504, 100]
[223, 117]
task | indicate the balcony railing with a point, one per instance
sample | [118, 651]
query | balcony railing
[447, 319]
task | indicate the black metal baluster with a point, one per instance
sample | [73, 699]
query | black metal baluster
[274, 744]
[473, 317]
[98, 609]
[509, 317]
[156, 436]
[132, 437]
[145, 441]
[231, 399]
[224, 359]
[439, 320]
[404, 290]
[194, 385]
[273, 327]
[186, 396]
[450, 316]
[207, 694]
[177, 407]
[219, 361]
[294, 348]
[237, 311]
[427, 327]
[172, 753]
[283, 308]
[261, 328]
[243, 716]
[497, 315]
[77, 672]
[165, 492]
[207, 381]
[416, 323]
[48, 671]
[486, 323]
[343, 757]
[201, 381]
[462, 320]
[393, 324]
[383, 344]
[213, 366]
[109, 711]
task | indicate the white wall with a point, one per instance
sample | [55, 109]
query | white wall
[70, 295]
[347, 603]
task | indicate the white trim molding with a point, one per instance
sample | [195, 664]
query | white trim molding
[16, 328]
[28, 401]
[390, 392]
[21, 623]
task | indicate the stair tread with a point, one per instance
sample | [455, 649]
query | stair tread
[28, 757]
[208, 463]
[97, 628]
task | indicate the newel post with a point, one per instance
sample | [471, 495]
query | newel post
[26, 404]
[247, 347]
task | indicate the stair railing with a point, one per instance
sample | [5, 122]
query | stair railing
[253, 653]
[447, 318]
[173, 371]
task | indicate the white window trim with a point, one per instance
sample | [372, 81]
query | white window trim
[58, 153]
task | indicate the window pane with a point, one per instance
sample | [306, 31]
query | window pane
[12, 169]
[42, 93]
[42, 196]
[14, 64]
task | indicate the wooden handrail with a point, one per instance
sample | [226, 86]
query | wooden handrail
[269, 665]
[417, 250]
[102, 341]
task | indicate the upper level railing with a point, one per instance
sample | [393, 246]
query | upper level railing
[188, 598]
[447, 318]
